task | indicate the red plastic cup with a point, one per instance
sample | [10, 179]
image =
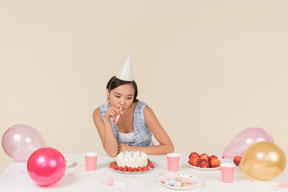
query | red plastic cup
[227, 171]
[173, 162]
[91, 161]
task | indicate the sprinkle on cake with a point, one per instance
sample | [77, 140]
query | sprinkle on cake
[132, 159]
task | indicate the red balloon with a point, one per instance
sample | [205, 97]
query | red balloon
[46, 166]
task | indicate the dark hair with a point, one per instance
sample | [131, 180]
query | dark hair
[115, 82]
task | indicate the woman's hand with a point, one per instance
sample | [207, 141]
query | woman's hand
[122, 147]
[112, 112]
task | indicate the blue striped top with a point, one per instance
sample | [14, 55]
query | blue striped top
[143, 135]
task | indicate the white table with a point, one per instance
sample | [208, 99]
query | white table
[16, 178]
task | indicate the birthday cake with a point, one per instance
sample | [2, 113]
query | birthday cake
[132, 159]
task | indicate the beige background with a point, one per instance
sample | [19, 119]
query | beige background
[208, 69]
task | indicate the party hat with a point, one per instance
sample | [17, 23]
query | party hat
[125, 72]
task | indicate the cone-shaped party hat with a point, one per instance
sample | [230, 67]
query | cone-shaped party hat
[125, 72]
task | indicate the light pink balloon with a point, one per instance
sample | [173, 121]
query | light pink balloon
[46, 166]
[244, 139]
[20, 141]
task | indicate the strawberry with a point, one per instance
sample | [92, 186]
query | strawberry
[125, 169]
[130, 169]
[145, 168]
[115, 167]
[150, 164]
[140, 169]
[112, 164]
[120, 168]
[135, 169]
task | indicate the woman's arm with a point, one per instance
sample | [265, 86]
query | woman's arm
[105, 130]
[165, 144]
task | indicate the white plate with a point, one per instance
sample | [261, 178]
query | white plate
[204, 169]
[132, 173]
[69, 161]
[197, 180]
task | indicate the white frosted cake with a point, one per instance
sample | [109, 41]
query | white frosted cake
[132, 159]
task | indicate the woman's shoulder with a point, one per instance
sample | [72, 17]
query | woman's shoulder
[143, 108]
[101, 109]
[140, 104]
[96, 112]
[143, 105]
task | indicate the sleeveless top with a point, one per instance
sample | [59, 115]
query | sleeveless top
[143, 135]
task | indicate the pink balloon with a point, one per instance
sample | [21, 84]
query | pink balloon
[46, 166]
[20, 141]
[244, 139]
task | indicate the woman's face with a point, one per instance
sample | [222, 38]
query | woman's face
[121, 96]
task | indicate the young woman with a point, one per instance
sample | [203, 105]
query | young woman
[126, 124]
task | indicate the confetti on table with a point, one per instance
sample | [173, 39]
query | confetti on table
[21, 172]
[283, 185]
